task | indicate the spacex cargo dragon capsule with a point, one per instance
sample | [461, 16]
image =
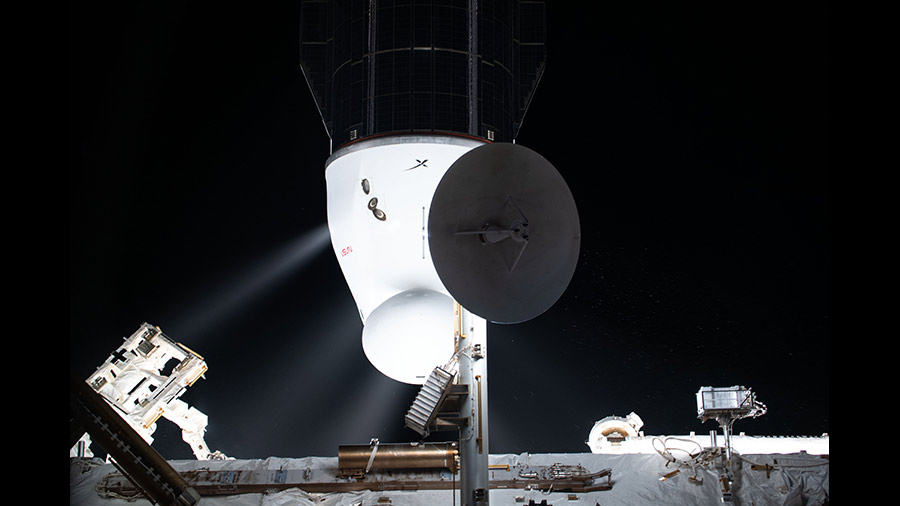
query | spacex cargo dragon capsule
[379, 196]
[428, 200]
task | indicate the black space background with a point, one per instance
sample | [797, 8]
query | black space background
[694, 139]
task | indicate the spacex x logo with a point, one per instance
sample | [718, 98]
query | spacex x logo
[420, 164]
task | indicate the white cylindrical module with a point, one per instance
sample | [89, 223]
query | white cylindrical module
[379, 195]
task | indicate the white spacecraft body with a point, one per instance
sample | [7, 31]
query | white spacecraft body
[379, 195]
[135, 382]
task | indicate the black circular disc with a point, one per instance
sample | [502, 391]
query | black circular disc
[504, 233]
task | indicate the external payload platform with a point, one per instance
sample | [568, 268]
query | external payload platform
[143, 380]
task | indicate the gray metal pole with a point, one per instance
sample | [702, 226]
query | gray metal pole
[473, 437]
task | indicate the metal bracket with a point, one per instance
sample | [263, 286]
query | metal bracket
[374, 443]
